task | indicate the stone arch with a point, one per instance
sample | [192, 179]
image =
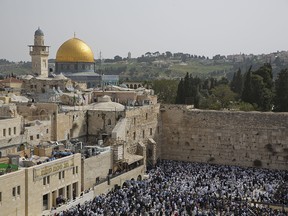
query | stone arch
[132, 179]
[131, 86]
[135, 86]
[139, 85]
[139, 178]
[43, 115]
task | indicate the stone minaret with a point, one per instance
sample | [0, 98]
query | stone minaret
[39, 54]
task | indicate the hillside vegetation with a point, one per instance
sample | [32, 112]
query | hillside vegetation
[155, 66]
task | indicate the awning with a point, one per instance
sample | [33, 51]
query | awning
[132, 158]
[152, 141]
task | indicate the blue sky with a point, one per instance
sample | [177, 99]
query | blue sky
[114, 27]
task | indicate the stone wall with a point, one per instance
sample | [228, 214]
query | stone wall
[225, 137]
[142, 123]
[106, 186]
[13, 202]
[8, 111]
[102, 121]
[96, 167]
[70, 125]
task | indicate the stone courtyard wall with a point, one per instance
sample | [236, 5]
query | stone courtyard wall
[142, 123]
[225, 137]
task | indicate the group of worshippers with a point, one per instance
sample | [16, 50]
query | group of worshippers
[182, 188]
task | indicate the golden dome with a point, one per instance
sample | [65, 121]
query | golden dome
[74, 50]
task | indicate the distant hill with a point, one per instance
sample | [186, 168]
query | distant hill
[19, 68]
[153, 66]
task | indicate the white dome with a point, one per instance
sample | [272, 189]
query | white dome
[104, 98]
[60, 77]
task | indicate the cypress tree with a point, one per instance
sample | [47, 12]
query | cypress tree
[281, 91]
[247, 88]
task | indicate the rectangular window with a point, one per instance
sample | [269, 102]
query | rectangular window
[18, 190]
[59, 175]
[14, 130]
[46, 180]
[143, 133]
[0, 196]
[47, 130]
[151, 131]
[31, 137]
[4, 132]
[9, 131]
[63, 174]
[146, 116]
[158, 129]
[134, 121]
[14, 191]
[73, 170]
[76, 169]
[38, 136]
[134, 135]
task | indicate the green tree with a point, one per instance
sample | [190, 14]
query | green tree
[258, 88]
[117, 58]
[224, 95]
[166, 90]
[237, 82]
[247, 88]
[180, 97]
[281, 92]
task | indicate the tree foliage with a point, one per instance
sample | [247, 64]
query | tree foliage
[237, 82]
[188, 90]
[281, 92]
[224, 95]
[258, 88]
[165, 90]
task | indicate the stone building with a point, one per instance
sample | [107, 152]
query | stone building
[31, 190]
[39, 54]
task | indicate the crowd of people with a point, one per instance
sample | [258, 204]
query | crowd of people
[181, 188]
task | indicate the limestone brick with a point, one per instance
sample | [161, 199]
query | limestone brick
[96, 167]
[224, 137]
[12, 190]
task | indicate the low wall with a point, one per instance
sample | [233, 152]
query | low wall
[119, 180]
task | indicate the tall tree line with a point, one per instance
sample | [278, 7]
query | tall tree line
[254, 89]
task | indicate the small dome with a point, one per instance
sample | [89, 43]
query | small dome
[60, 77]
[104, 98]
[74, 50]
[39, 32]
[28, 77]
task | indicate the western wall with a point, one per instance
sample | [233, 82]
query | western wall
[225, 137]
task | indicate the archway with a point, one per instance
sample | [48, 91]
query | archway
[139, 178]
[44, 115]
